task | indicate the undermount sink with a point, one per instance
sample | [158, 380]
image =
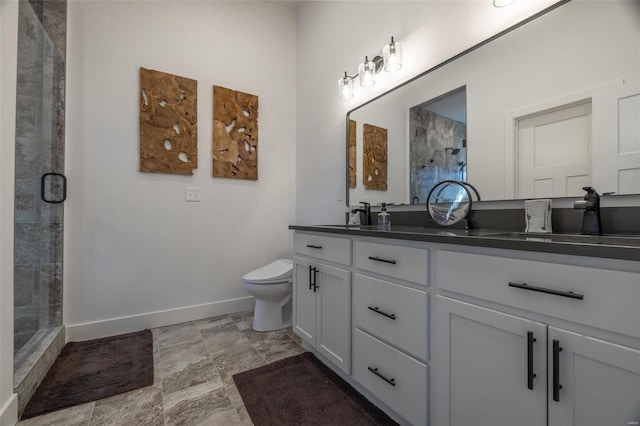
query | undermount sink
[617, 240]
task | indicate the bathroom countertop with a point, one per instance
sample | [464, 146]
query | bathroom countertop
[608, 246]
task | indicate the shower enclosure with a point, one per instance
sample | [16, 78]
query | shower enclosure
[40, 186]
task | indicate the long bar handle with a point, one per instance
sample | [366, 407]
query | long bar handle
[526, 286]
[378, 311]
[375, 371]
[315, 280]
[556, 370]
[312, 276]
[378, 259]
[314, 246]
[530, 374]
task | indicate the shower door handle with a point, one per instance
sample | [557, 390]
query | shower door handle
[43, 182]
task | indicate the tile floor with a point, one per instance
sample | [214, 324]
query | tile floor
[194, 363]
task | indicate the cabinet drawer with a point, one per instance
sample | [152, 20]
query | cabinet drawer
[397, 379]
[333, 249]
[392, 312]
[609, 302]
[405, 263]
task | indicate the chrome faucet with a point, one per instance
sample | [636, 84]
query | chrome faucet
[591, 224]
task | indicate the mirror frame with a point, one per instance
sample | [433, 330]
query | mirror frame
[430, 70]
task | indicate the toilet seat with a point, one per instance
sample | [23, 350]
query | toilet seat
[276, 272]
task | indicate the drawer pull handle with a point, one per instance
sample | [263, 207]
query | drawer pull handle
[312, 246]
[556, 370]
[526, 286]
[530, 374]
[378, 259]
[378, 311]
[375, 371]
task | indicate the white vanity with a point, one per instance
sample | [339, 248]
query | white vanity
[473, 330]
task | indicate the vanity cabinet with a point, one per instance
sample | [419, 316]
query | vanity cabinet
[390, 325]
[501, 368]
[322, 296]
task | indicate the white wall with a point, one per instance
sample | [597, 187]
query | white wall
[333, 38]
[136, 254]
[8, 61]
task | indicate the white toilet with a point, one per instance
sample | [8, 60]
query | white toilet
[271, 287]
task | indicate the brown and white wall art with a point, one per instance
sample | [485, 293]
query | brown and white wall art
[168, 123]
[352, 154]
[235, 134]
[374, 158]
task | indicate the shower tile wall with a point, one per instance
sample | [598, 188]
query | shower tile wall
[39, 149]
[430, 135]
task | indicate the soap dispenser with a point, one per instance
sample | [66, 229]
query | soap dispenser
[384, 218]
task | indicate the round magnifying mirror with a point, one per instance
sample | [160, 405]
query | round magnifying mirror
[450, 201]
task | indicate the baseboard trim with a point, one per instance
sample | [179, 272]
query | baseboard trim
[9, 412]
[128, 324]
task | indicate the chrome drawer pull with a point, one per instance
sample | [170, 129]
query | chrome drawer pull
[392, 382]
[526, 286]
[378, 311]
[312, 246]
[378, 259]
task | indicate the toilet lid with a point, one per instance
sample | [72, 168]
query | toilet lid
[277, 271]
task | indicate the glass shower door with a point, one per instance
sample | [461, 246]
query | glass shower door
[40, 185]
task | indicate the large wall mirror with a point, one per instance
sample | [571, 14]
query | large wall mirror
[541, 111]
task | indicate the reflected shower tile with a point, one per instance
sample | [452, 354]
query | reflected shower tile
[138, 407]
[72, 416]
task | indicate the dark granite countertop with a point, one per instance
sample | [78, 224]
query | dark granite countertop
[607, 246]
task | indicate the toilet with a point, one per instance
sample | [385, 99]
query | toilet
[271, 287]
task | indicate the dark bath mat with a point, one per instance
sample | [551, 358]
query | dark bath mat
[95, 369]
[302, 391]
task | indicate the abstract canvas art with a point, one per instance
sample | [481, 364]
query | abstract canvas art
[235, 134]
[374, 157]
[168, 123]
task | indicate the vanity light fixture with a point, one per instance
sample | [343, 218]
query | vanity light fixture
[503, 3]
[345, 85]
[391, 60]
[367, 73]
[392, 53]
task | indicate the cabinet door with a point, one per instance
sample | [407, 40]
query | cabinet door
[304, 301]
[600, 381]
[334, 315]
[483, 367]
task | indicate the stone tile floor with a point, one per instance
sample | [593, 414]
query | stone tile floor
[194, 363]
